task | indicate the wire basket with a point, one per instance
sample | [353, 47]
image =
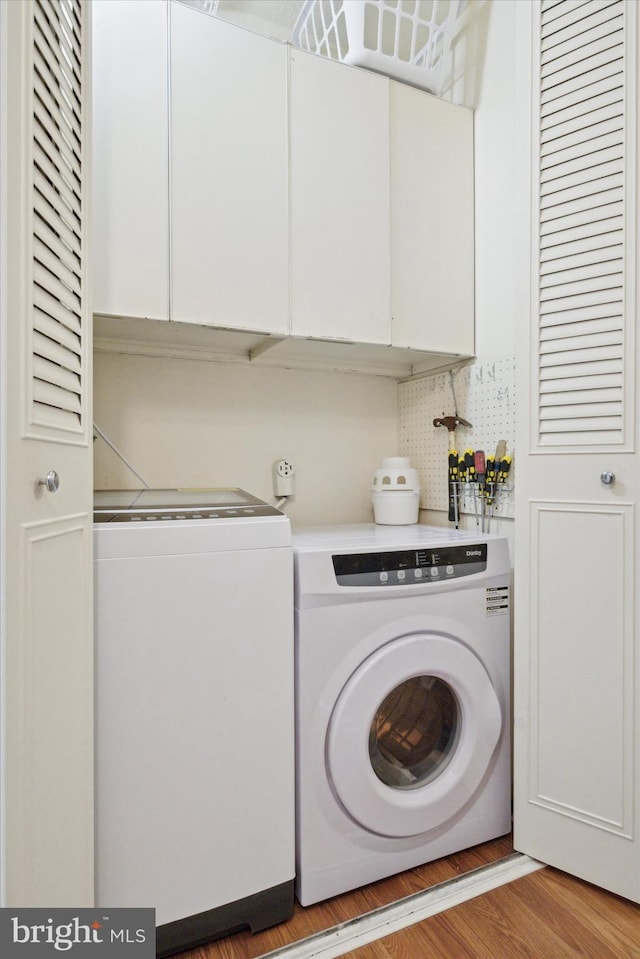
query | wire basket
[405, 39]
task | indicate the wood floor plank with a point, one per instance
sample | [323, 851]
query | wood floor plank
[311, 919]
[545, 915]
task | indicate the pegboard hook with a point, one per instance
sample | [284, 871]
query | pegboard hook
[451, 422]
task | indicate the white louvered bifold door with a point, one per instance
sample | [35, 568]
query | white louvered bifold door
[57, 350]
[576, 645]
[47, 841]
[583, 228]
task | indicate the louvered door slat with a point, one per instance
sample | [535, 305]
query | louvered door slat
[57, 333]
[63, 42]
[583, 162]
[59, 355]
[44, 278]
[607, 324]
[553, 10]
[47, 394]
[56, 150]
[577, 385]
[598, 249]
[580, 301]
[43, 97]
[563, 231]
[59, 184]
[56, 374]
[594, 311]
[49, 215]
[599, 22]
[599, 83]
[605, 395]
[563, 282]
[62, 212]
[571, 116]
[582, 151]
[58, 87]
[599, 56]
[47, 258]
[583, 411]
[59, 313]
[596, 201]
[582, 140]
[571, 122]
[581, 265]
[57, 247]
[57, 82]
[587, 355]
[608, 340]
[58, 265]
[580, 371]
[559, 15]
[594, 179]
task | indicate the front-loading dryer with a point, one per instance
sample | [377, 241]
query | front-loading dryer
[402, 700]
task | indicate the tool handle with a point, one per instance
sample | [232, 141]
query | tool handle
[453, 492]
[503, 469]
[469, 460]
[479, 464]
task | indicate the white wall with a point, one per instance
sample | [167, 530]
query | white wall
[195, 423]
[185, 422]
[490, 88]
[495, 187]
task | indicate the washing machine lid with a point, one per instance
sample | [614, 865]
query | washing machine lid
[401, 769]
[126, 506]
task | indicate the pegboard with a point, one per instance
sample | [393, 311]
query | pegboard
[485, 395]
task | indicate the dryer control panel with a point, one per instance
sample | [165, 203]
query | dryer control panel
[410, 567]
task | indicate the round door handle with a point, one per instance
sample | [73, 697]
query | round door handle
[51, 481]
[607, 478]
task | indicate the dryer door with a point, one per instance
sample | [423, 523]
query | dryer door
[412, 734]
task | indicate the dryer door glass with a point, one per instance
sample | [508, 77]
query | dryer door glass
[414, 732]
[421, 711]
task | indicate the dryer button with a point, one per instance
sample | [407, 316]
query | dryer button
[450, 570]
[401, 574]
[384, 577]
[434, 570]
[417, 573]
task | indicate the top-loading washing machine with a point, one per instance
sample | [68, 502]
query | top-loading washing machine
[402, 700]
[194, 710]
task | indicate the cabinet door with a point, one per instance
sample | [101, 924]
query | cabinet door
[432, 248]
[339, 201]
[46, 554]
[130, 240]
[577, 636]
[229, 169]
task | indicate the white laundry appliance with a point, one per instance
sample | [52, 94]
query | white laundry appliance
[194, 711]
[402, 700]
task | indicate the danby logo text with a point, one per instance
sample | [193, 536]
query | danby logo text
[66, 935]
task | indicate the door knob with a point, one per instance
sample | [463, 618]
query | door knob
[51, 481]
[607, 478]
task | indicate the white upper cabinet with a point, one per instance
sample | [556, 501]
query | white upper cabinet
[229, 175]
[432, 224]
[130, 217]
[340, 278]
[243, 184]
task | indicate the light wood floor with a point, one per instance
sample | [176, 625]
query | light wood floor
[545, 915]
[309, 919]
